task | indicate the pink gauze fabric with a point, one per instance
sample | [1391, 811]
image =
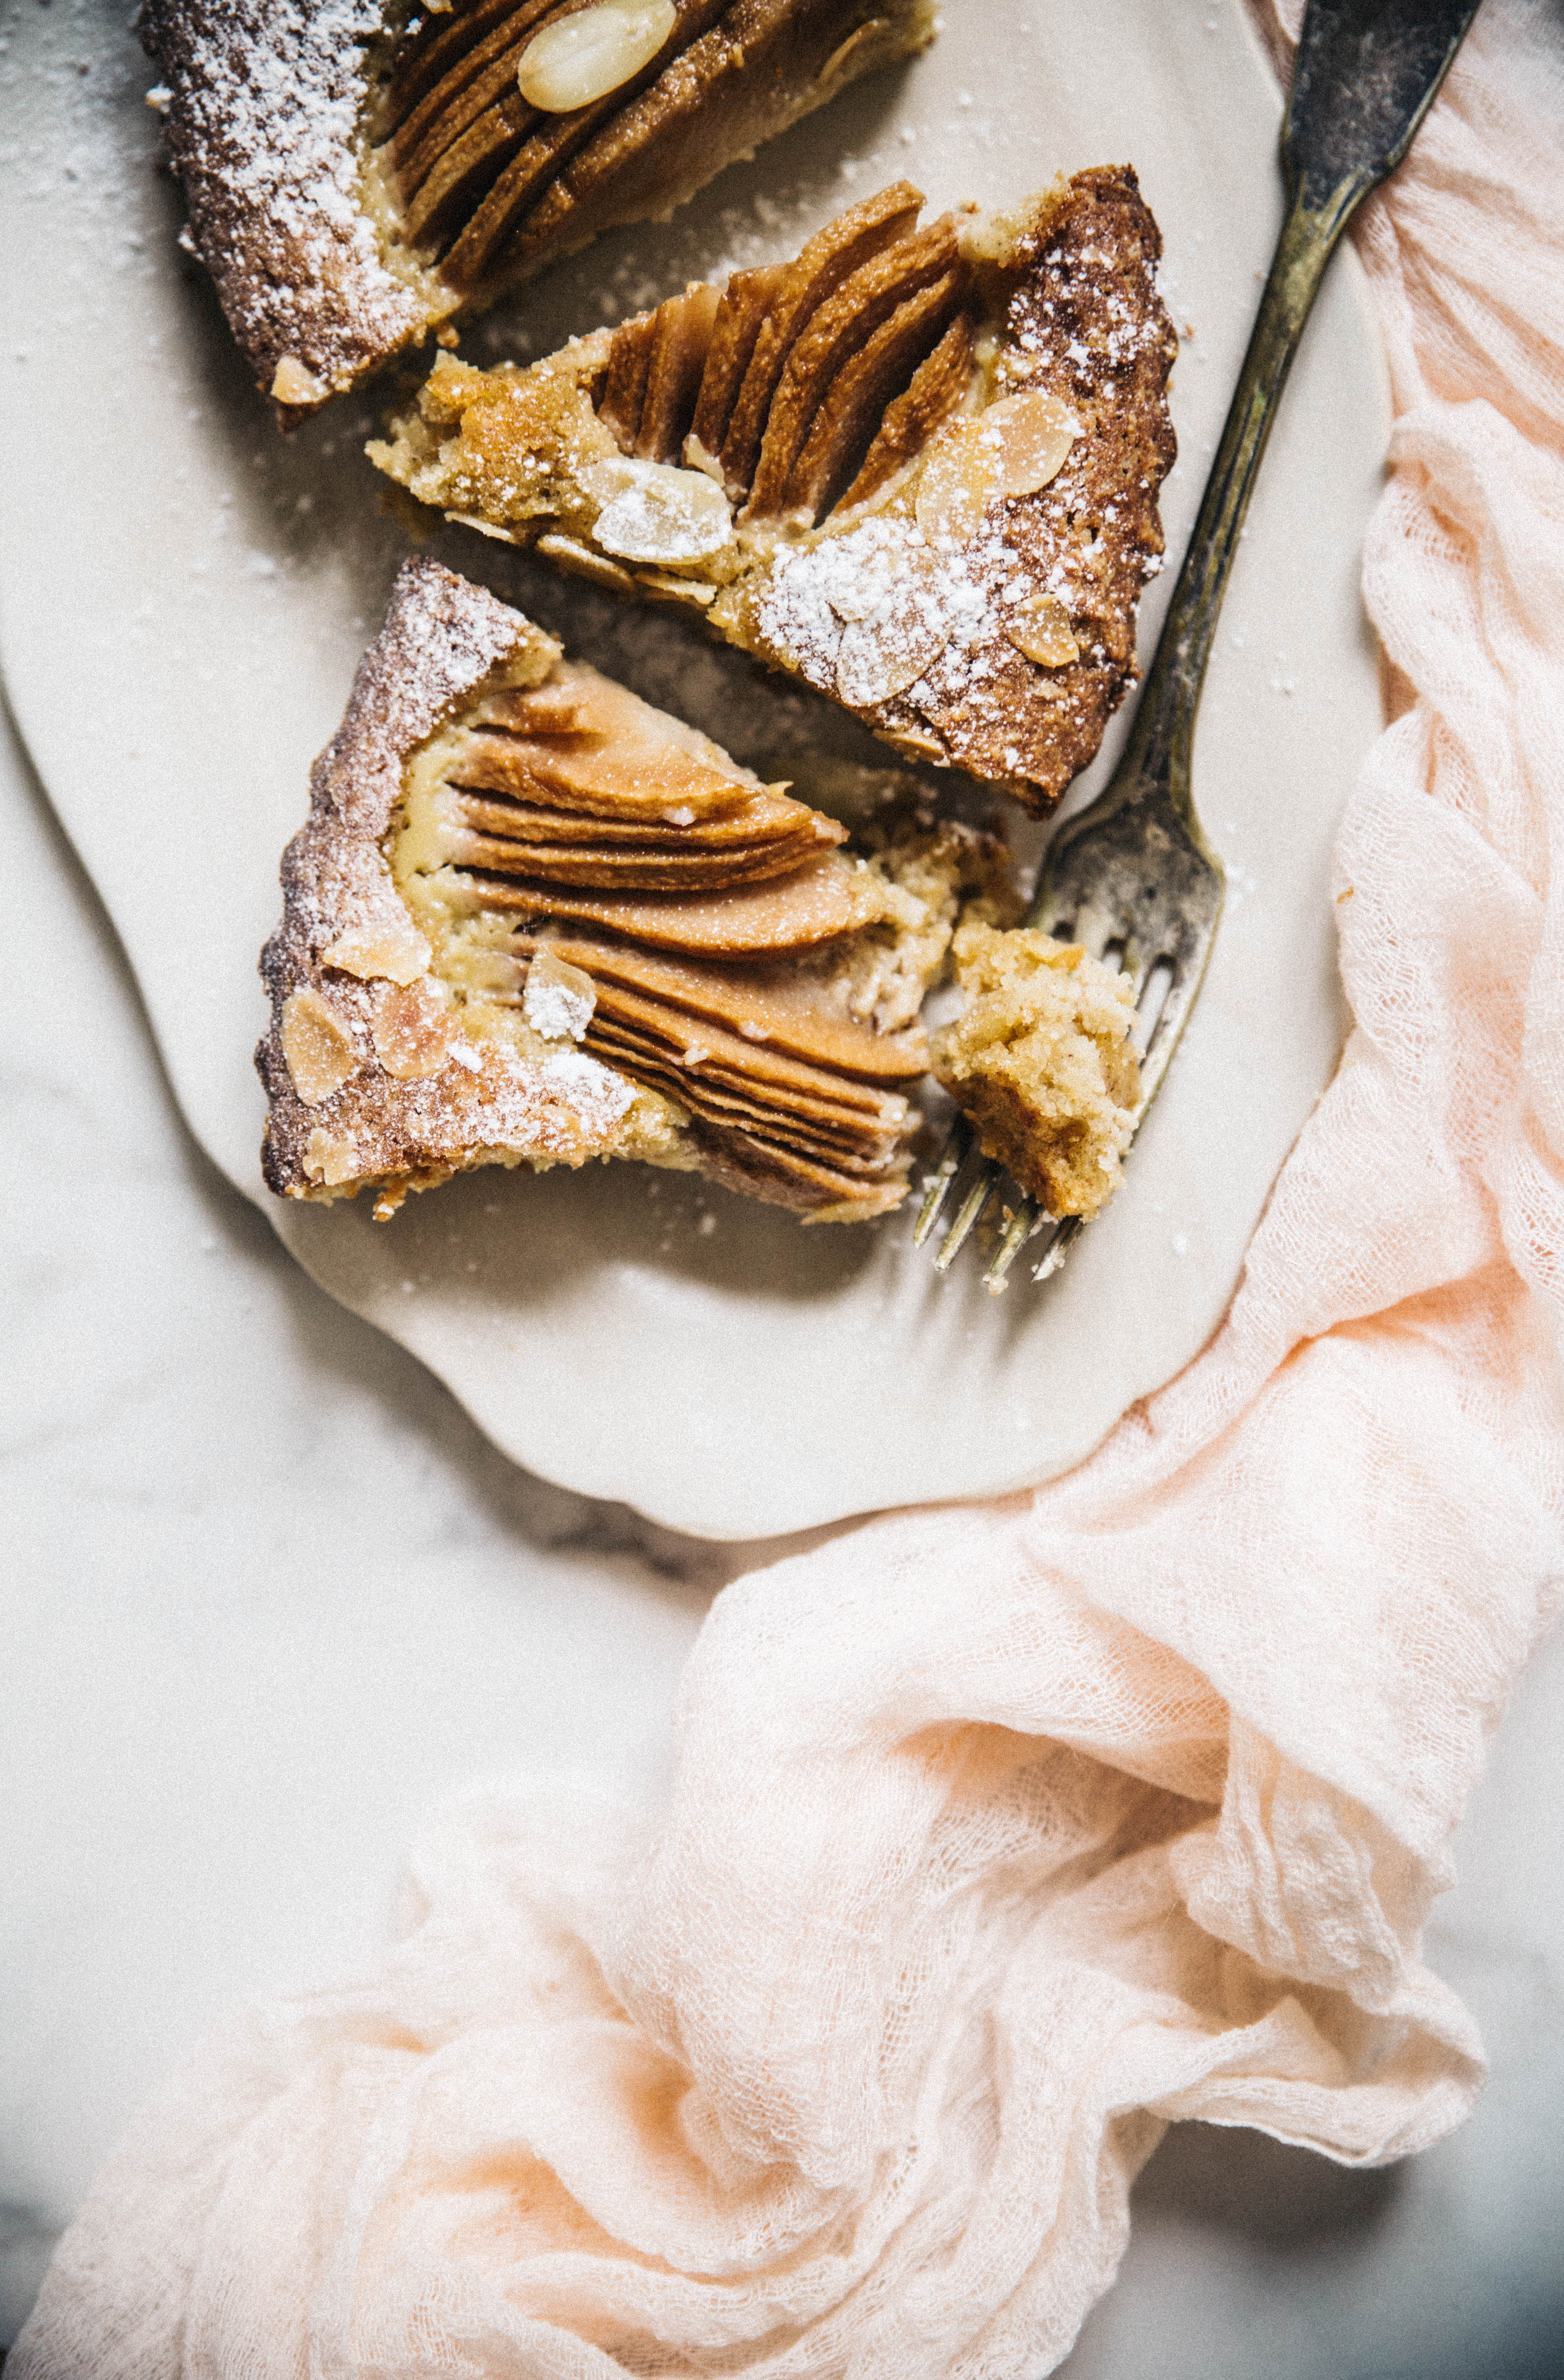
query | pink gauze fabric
[999, 1837]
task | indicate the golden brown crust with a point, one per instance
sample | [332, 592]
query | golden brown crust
[329, 259]
[1084, 310]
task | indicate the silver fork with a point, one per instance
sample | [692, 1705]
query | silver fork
[1133, 877]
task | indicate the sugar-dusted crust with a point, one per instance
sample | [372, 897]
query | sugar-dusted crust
[262, 103]
[991, 633]
[273, 109]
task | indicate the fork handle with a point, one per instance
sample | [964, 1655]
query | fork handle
[1365, 75]
[1162, 738]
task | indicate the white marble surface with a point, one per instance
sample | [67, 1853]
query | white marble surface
[259, 1563]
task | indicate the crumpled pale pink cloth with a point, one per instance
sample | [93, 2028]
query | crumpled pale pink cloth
[1002, 1836]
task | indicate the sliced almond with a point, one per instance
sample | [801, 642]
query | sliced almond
[657, 512]
[318, 1046]
[1030, 437]
[331, 1156]
[295, 383]
[1041, 630]
[582, 58]
[390, 947]
[571, 554]
[1014, 449]
[559, 998]
[412, 1030]
[880, 656]
[958, 483]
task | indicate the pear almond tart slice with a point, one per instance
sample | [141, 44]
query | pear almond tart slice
[361, 173]
[916, 467]
[532, 921]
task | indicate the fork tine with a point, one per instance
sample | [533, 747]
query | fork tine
[982, 1188]
[937, 1185]
[1058, 1246]
[1023, 1223]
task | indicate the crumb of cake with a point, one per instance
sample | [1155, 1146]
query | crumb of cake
[533, 921]
[1040, 1060]
[918, 466]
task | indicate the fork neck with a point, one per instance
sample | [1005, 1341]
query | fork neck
[1162, 738]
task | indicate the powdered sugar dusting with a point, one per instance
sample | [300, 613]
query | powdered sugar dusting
[264, 100]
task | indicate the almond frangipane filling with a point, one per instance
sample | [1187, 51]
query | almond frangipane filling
[918, 466]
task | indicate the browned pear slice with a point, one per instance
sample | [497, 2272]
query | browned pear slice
[814, 905]
[681, 334]
[820, 267]
[633, 779]
[854, 405]
[766, 1007]
[760, 1161]
[442, 58]
[584, 742]
[776, 1108]
[744, 306]
[428, 136]
[787, 1120]
[477, 246]
[857, 1126]
[442, 183]
[834, 333]
[745, 1066]
[643, 134]
[938, 387]
[541, 160]
[764, 820]
[625, 387]
[615, 867]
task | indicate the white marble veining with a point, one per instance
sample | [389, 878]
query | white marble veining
[268, 1595]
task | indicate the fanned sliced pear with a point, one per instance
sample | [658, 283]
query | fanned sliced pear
[667, 960]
